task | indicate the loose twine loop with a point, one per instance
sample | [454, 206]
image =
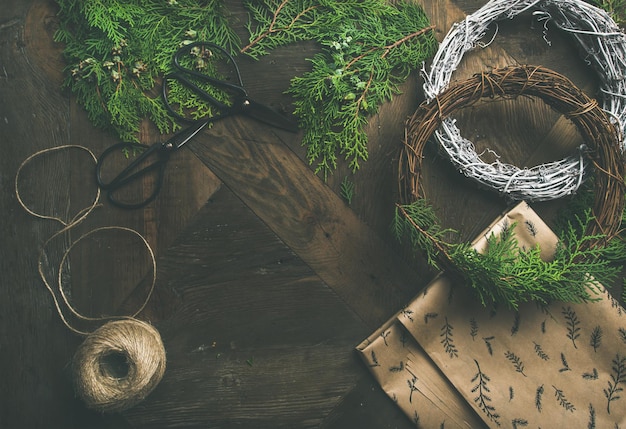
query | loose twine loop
[136, 345]
[603, 46]
[560, 93]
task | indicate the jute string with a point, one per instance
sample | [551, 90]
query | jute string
[124, 338]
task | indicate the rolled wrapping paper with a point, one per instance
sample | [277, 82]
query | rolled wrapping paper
[447, 361]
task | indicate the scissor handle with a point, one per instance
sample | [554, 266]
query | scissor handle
[238, 86]
[186, 77]
[131, 174]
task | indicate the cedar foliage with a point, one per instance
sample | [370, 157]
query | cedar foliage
[505, 275]
[117, 51]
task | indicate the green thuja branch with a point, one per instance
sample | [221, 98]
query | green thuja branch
[504, 274]
[368, 49]
[347, 190]
[419, 222]
[117, 51]
[618, 378]
[276, 23]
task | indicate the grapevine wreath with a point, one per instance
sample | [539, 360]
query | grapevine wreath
[603, 46]
[581, 256]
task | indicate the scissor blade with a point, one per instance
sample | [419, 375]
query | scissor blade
[269, 116]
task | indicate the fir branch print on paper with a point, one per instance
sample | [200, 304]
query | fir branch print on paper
[473, 328]
[592, 417]
[565, 366]
[572, 322]
[447, 341]
[407, 313]
[531, 228]
[488, 341]
[374, 360]
[398, 368]
[562, 400]
[403, 338]
[539, 398]
[483, 400]
[516, 361]
[412, 387]
[622, 334]
[519, 423]
[593, 375]
[451, 294]
[542, 355]
[618, 377]
[384, 336]
[429, 316]
[596, 338]
[516, 323]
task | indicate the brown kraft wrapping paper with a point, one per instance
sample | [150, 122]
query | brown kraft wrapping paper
[449, 362]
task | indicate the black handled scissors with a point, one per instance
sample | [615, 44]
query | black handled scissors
[199, 84]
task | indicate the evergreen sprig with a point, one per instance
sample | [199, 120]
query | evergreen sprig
[369, 48]
[419, 222]
[118, 50]
[505, 275]
[275, 23]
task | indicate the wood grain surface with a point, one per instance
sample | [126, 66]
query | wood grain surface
[266, 278]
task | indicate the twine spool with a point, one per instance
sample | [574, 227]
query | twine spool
[118, 365]
[122, 361]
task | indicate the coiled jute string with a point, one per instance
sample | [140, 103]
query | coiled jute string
[122, 361]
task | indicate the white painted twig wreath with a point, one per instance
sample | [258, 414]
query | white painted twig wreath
[603, 45]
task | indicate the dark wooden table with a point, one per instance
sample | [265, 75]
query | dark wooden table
[267, 279]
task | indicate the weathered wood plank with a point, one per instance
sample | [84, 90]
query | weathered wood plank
[307, 216]
[255, 338]
[35, 346]
[367, 406]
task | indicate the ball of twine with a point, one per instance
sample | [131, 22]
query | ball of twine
[603, 46]
[121, 362]
[118, 365]
[560, 93]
